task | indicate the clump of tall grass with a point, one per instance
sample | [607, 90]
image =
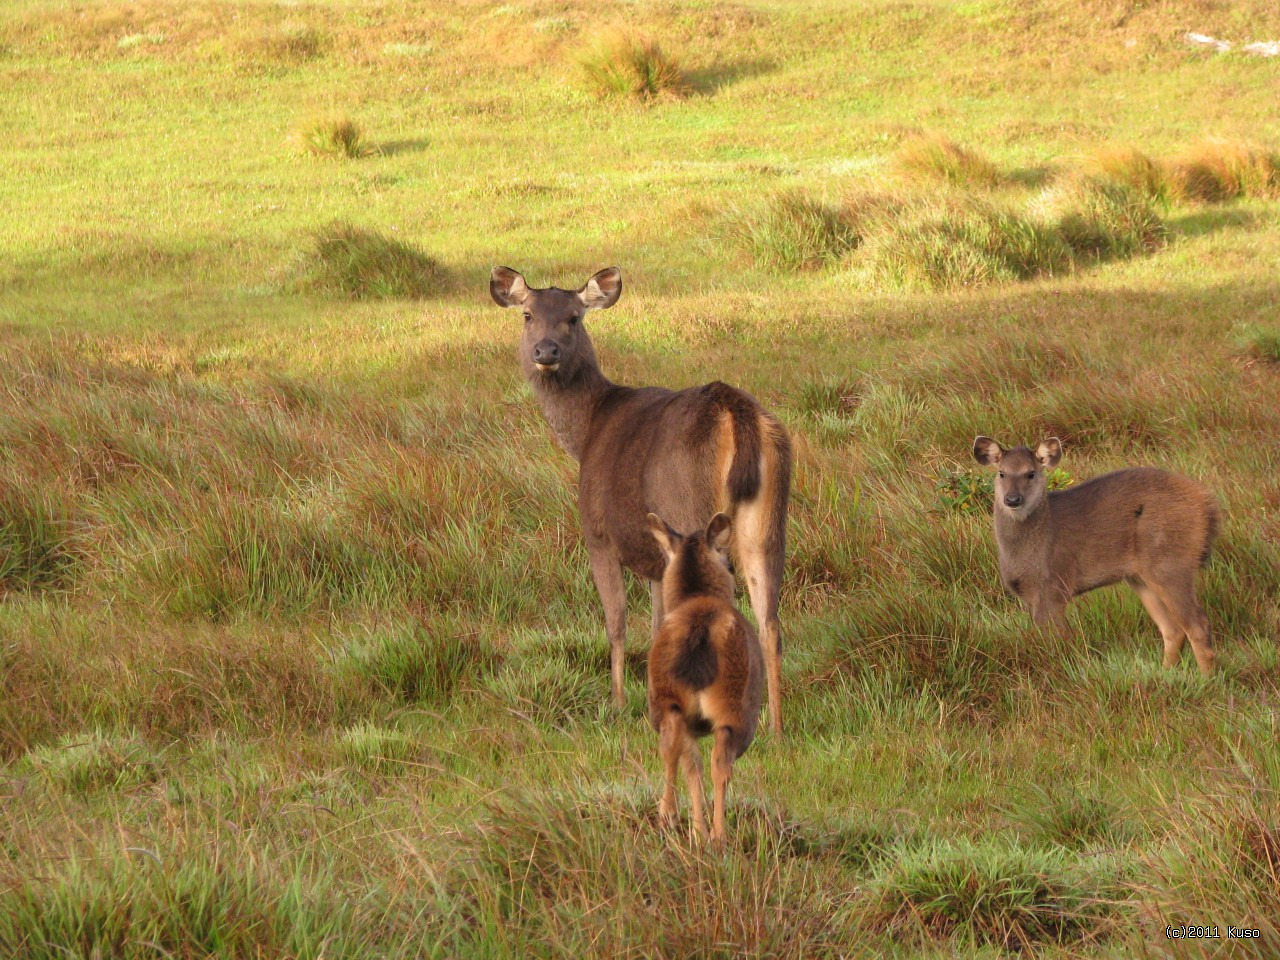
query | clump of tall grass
[549, 690]
[289, 42]
[39, 544]
[1217, 170]
[336, 136]
[1102, 219]
[625, 64]
[934, 157]
[81, 763]
[415, 664]
[1261, 343]
[361, 264]
[963, 243]
[792, 231]
[370, 746]
[994, 892]
[1131, 167]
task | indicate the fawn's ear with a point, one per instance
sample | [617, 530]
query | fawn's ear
[507, 287]
[667, 538]
[718, 531]
[1050, 452]
[603, 290]
[987, 451]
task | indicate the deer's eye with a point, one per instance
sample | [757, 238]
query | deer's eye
[574, 319]
[1031, 475]
[528, 317]
[1001, 474]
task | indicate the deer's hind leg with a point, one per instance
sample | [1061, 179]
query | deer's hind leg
[722, 757]
[1171, 632]
[763, 573]
[692, 758]
[671, 746]
[1178, 595]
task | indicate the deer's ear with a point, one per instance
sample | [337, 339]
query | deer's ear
[718, 531]
[987, 451]
[1050, 452]
[667, 538]
[507, 287]
[603, 290]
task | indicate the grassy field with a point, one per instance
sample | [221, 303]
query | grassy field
[299, 652]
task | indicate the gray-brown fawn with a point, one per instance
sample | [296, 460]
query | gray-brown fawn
[1150, 528]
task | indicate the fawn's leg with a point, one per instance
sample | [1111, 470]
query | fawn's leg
[721, 771]
[693, 773]
[1171, 631]
[671, 746]
[1178, 594]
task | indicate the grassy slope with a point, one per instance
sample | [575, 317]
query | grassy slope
[303, 613]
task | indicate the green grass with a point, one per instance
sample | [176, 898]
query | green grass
[300, 653]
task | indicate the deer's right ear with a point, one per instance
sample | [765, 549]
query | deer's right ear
[507, 287]
[987, 451]
[1050, 452]
[667, 538]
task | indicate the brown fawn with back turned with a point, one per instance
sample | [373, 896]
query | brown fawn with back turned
[1150, 528]
[685, 454]
[704, 668]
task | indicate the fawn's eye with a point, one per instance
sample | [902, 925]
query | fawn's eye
[574, 319]
[1031, 475]
[528, 317]
[1001, 474]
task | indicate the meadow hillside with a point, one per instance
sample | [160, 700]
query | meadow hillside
[299, 651]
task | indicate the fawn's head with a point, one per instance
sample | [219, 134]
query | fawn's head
[555, 347]
[1021, 480]
[697, 564]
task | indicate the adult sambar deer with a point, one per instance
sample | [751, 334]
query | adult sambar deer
[1150, 528]
[682, 454]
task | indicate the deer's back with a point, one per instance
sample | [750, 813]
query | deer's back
[706, 663]
[654, 450]
[1122, 523]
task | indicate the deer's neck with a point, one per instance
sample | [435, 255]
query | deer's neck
[570, 404]
[1024, 545]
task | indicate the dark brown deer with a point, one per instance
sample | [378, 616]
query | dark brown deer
[704, 669]
[1150, 528]
[684, 454]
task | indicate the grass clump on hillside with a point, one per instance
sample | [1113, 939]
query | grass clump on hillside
[934, 157]
[39, 547]
[359, 264]
[1218, 170]
[625, 64]
[1261, 343]
[964, 244]
[994, 892]
[84, 762]
[793, 231]
[335, 137]
[417, 665]
[287, 43]
[1101, 219]
[1146, 177]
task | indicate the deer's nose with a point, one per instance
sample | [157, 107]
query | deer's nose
[1013, 500]
[546, 352]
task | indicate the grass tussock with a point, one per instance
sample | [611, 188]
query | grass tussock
[356, 263]
[934, 158]
[1215, 171]
[793, 231]
[1101, 219]
[995, 892]
[285, 43]
[1261, 343]
[40, 547]
[622, 63]
[418, 664]
[1145, 176]
[337, 136]
[970, 243]
[81, 763]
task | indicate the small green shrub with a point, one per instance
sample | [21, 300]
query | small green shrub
[792, 231]
[359, 264]
[934, 157]
[335, 137]
[625, 64]
[1103, 219]
[970, 491]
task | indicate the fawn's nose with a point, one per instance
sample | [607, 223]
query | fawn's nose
[546, 353]
[1013, 500]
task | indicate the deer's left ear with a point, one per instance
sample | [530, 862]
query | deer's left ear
[1050, 452]
[507, 287]
[603, 290]
[667, 538]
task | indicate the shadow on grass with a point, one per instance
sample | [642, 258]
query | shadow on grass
[1204, 222]
[712, 80]
[393, 148]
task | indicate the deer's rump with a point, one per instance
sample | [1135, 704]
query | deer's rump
[681, 454]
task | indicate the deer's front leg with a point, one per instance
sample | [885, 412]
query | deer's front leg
[606, 570]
